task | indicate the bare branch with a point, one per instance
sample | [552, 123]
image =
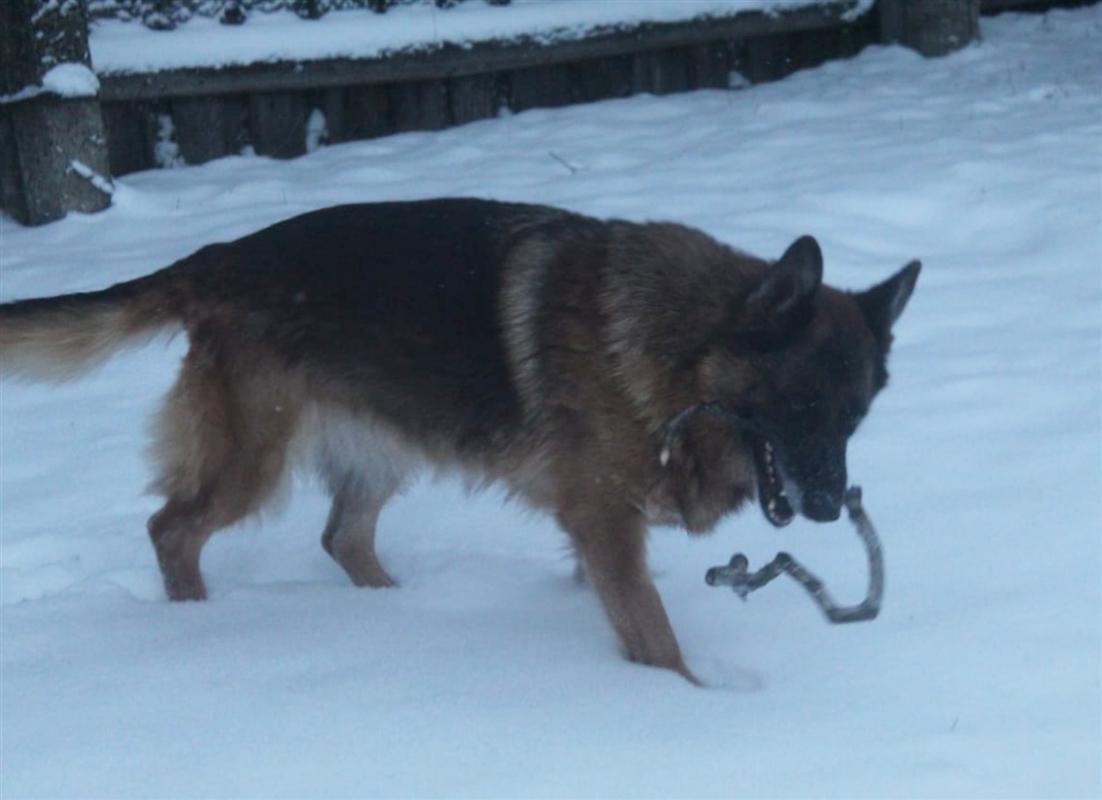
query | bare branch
[735, 573]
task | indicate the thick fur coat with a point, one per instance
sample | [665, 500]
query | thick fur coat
[564, 356]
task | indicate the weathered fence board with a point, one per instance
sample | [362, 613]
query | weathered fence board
[602, 78]
[546, 86]
[277, 123]
[662, 71]
[209, 127]
[420, 105]
[711, 65]
[474, 97]
[367, 113]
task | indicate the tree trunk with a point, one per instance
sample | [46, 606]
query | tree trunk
[932, 27]
[51, 108]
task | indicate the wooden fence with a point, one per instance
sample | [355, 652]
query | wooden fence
[267, 106]
[211, 112]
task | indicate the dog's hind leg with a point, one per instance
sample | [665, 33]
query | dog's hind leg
[349, 535]
[178, 532]
[221, 443]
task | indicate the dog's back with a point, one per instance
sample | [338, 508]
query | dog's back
[378, 303]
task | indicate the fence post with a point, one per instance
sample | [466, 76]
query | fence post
[50, 113]
[932, 27]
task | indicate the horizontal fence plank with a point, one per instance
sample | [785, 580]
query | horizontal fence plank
[453, 61]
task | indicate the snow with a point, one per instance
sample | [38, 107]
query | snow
[64, 80]
[166, 153]
[71, 80]
[488, 673]
[125, 47]
[317, 130]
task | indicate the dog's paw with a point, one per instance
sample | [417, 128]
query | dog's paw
[721, 674]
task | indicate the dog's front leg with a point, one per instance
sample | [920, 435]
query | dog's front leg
[610, 540]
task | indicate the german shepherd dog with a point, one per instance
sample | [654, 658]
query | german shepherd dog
[520, 344]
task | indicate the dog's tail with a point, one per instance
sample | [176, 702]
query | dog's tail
[58, 338]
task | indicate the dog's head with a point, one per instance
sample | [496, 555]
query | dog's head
[800, 365]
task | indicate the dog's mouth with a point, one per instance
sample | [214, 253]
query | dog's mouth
[775, 504]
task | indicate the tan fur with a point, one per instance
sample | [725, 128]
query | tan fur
[220, 444]
[519, 307]
[65, 343]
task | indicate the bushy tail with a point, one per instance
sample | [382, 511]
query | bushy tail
[58, 338]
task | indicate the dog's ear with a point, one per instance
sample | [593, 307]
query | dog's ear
[883, 303]
[783, 298]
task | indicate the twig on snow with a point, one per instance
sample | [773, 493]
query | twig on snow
[735, 573]
[98, 181]
[574, 168]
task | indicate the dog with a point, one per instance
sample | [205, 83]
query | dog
[562, 356]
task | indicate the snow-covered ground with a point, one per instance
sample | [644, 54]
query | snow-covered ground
[489, 673]
[122, 47]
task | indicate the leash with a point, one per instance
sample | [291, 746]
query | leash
[673, 425]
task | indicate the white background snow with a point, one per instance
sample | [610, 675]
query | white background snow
[489, 673]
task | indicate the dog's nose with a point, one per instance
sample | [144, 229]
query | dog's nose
[821, 506]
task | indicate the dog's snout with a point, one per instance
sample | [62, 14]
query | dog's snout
[822, 506]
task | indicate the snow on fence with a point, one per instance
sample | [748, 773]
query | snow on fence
[303, 73]
[167, 14]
